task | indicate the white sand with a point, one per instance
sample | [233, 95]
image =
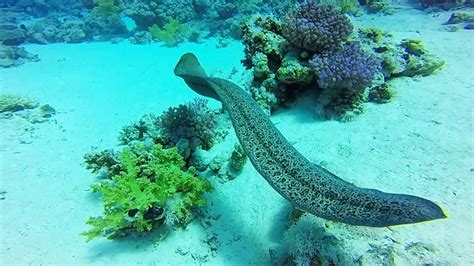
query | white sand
[421, 143]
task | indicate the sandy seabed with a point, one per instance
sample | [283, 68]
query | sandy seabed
[421, 143]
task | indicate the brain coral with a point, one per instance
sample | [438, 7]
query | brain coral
[316, 27]
[349, 67]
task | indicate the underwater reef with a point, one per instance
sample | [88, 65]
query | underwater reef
[156, 180]
[140, 21]
[317, 48]
[172, 22]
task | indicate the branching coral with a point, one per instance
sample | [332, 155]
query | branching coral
[193, 122]
[350, 67]
[151, 188]
[316, 28]
[106, 160]
[146, 130]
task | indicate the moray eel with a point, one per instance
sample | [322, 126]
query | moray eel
[306, 185]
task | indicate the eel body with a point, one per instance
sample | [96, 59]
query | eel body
[306, 185]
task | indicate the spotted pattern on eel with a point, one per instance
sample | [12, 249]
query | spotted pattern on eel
[306, 185]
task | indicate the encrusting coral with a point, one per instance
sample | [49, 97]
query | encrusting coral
[15, 103]
[150, 189]
[14, 106]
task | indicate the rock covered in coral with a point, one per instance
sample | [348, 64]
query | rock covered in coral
[144, 130]
[106, 160]
[293, 71]
[445, 4]
[342, 104]
[265, 50]
[194, 122]
[143, 13]
[15, 103]
[260, 66]
[342, 71]
[380, 6]
[200, 160]
[316, 28]
[11, 34]
[461, 19]
[406, 58]
[104, 22]
[221, 167]
[49, 30]
[188, 127]
[309, 242]
[381, 94]
[263, 35]
[141, 37]
[24, 107]
[238, 158]
[349, 67]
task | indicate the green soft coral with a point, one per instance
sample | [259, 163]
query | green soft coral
[171, 34]
[148, 190]
[106, 8]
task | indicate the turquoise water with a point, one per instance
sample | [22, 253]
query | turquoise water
[90, 71]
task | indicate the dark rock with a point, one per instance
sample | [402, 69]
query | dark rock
[153, 213]
[461, 17]
[37, 38]
[132, 213]
[11, 56]
[469, 26]
[47, 111]
[11, 34]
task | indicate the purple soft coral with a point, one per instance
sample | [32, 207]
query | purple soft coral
[316, 28]
[350, 67]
